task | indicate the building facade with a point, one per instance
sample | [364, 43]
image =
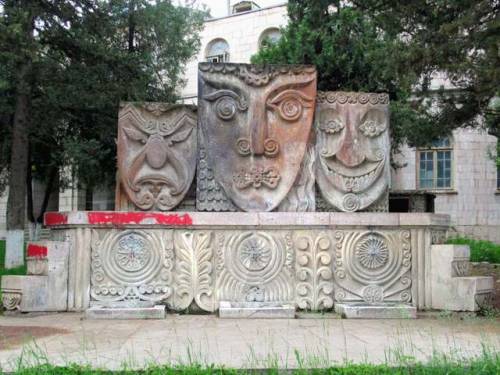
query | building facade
[459, 171]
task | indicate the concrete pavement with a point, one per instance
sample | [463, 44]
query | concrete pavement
[319, 340]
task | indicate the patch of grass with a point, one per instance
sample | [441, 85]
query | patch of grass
[482, 366]
[480, 251]
[13, 271]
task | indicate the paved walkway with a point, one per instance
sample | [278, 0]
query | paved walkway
[205, 339]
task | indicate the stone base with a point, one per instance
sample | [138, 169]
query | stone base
[255, 310]
[117, 313]
[382, 311]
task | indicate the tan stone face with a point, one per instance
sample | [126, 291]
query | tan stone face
[352, 131]
[156, 153]
[256, 122]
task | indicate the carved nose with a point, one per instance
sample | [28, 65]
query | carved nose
[258, 132]
[351, 153]
[156, 154]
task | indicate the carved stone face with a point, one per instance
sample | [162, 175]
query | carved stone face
[256, 122]
[157, 147]
[352, 145]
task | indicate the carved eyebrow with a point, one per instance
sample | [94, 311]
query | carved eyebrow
[242, 104]
[291, 86]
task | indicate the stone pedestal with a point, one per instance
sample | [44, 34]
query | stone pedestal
[120, 313]
[382, 311]
[452, 287]
[255, 310]
[45, 288]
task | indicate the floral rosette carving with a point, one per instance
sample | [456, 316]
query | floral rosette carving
[131, 265]
[373, 266]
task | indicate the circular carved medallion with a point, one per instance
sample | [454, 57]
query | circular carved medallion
[373, 257]
[254, 258]
[372, 252]
[132, 253]
[131, 258]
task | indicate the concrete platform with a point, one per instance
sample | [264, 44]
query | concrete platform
[255, 310]
[118, 313]
[367, 311]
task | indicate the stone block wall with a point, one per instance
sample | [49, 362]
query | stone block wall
[473, 202]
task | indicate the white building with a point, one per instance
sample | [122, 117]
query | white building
[460, 171]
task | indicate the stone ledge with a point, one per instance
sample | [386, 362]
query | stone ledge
[382, 311]
[214, 220]
[117, 313]
[255, 310]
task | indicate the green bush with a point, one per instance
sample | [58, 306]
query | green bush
[480, 251]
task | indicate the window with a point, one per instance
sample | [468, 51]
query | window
[269, 37]
[217, 51]
[434, 165]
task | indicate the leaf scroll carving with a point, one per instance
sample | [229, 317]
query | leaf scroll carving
[194, 270]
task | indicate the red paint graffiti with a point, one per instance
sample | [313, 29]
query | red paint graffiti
[123, 218]
[55, 218]
[36, 251]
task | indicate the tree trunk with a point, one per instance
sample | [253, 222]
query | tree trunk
[16, 204]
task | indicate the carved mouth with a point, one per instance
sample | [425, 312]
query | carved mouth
[354, 179]
[157, 183]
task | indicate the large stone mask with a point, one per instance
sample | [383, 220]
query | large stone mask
[352, 145]
[157, 147]
[256, 121]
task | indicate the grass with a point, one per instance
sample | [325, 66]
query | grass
[13, 271]
[480, 251]
[487, 363]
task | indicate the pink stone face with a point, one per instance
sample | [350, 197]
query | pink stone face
[256, 122]
[157, 146]
[352, 144]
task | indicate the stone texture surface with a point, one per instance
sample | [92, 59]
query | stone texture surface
[256, 123]
[255, 310]
[45, 288]
[367, 311]
[192, 261]
[157, 151]
[488, 269]
[119, 313]
[246, 343]
[353, 150]
[452, 287]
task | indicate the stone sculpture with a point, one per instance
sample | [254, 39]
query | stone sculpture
[157, 148]
[256, 122]
[352, 149]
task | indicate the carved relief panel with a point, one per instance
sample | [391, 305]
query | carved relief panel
[314, 270]
[256, 122]
[131, 266]
[255, 267]
[352, 148]
[157, 149]
[372, 266]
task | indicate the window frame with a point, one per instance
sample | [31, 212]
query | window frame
[435, 149]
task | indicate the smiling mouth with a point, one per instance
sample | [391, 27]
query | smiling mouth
[354, 179]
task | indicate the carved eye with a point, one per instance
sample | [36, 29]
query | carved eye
[225, 107]
[227, 102]
[331, 126]
[290, 104]
[371, 128]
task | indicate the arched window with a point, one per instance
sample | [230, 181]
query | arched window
[269, 37]
[217, 51]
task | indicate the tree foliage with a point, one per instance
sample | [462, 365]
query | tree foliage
[87, 56]
[399, 47]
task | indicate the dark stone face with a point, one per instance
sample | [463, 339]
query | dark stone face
[256, 122]
[352, 144]
[157, 147]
